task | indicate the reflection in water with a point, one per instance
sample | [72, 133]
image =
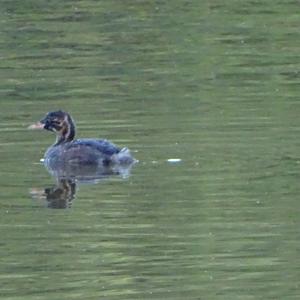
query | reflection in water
[67, 177]
[60, 195]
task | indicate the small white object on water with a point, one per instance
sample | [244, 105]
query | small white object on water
[42, 160]
[174, 160]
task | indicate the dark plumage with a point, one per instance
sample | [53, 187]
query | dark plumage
[67, 150]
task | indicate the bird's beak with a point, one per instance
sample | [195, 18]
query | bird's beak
[37, 125]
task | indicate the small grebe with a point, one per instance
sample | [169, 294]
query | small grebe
[67, 151]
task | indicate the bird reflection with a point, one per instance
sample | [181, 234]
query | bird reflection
[62, 194]
[59, 195]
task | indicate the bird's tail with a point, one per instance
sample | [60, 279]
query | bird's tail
[124, 157]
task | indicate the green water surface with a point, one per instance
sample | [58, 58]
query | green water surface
[214, 84]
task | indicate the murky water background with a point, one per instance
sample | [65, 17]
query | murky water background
[215, 84]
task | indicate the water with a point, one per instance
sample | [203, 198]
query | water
[214, 85]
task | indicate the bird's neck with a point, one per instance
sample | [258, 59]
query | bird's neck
[67, 133]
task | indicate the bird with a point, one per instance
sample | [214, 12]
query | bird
[70, 151]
